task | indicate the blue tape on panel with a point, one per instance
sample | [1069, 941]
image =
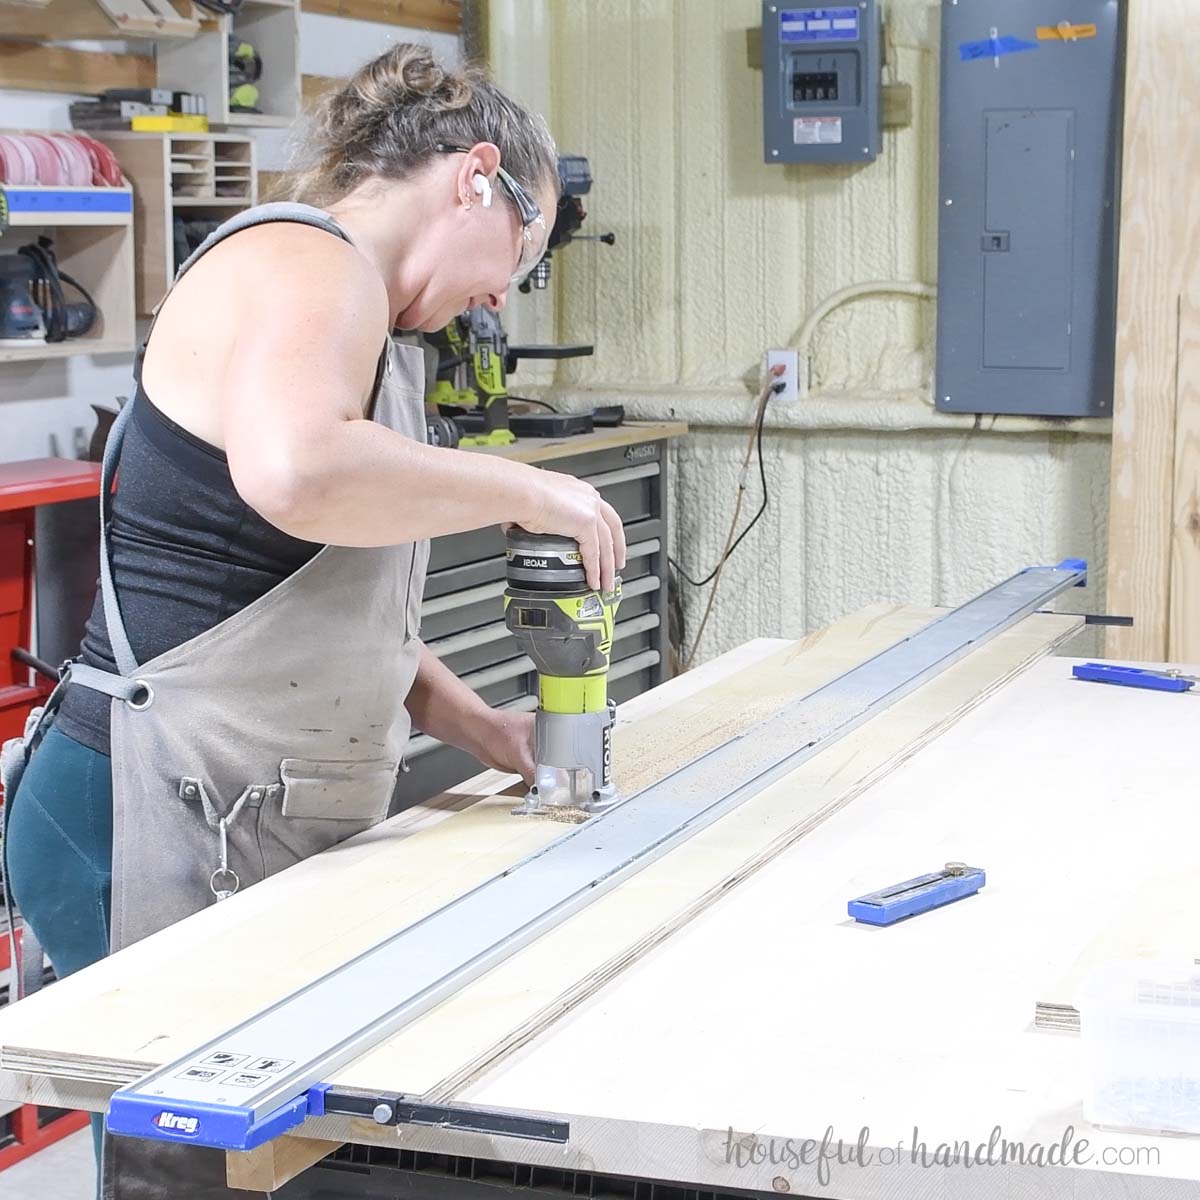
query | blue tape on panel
[993, 48]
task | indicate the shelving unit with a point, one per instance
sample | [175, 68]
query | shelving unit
[92, 230]
[195, 176]
[63, 19]
[201, 64]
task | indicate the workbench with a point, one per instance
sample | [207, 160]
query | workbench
[696, 1017]
[462, 617]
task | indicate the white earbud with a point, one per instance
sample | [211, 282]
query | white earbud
[483, 187]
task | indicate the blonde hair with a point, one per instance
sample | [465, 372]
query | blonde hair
[389, 117]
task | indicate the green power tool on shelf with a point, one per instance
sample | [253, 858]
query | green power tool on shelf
[566, 628]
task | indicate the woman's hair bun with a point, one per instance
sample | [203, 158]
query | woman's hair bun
[410, 72]
[389, 117]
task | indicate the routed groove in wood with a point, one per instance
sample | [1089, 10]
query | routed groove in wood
[442, 16]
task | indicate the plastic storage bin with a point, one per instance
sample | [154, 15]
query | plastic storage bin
[1140, 1026]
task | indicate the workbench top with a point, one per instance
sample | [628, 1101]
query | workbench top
[542, 450]
[706, 1043]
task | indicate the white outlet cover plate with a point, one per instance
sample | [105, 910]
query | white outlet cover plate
[789, 359]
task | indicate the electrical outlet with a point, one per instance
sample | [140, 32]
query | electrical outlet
[789, 360]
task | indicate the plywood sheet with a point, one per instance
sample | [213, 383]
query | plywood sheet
[164, 995]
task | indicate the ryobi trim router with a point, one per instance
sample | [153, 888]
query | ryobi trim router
[566, 628]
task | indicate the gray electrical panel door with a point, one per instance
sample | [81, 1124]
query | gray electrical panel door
[1027, 230]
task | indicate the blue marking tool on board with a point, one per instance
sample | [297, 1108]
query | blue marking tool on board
[1137, 677]
[913, 896]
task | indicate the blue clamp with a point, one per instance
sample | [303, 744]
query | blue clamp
[1136, 677]
[219, 1126]
[918, 895]
[1067, 564]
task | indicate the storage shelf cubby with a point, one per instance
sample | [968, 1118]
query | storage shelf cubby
[92, 230]
[201, 65]
[194, 176]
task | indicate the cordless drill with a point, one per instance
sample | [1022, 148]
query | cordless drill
[566, 628]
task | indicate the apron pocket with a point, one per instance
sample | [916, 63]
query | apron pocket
[337, 791]
[323, 803]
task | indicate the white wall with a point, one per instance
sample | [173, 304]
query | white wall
[874, 495]
[45, 407]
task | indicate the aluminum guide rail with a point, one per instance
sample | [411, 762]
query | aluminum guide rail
[246, 1086]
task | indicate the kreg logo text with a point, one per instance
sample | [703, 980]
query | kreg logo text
[171, 1122]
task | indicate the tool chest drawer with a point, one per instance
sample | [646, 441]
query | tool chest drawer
[462, 614]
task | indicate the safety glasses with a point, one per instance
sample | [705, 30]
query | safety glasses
[534, 234]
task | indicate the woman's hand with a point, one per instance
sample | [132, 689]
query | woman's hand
[569, 507]
[508, 743]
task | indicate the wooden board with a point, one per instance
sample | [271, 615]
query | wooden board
[1184, 629]
[187, 990]
[313, 87]
[771, 1015]
[538, 450]
[55, 69]
[444, 16]
[775, 1015]
[1159, 265]
[64, 19]
[1155, 918]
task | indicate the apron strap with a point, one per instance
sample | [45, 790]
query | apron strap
[118, 638]
[120, 687]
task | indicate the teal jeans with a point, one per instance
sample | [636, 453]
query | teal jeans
[60, 855]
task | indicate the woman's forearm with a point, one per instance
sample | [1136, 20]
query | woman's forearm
[444, 707]
[366, 485]
[441, 705]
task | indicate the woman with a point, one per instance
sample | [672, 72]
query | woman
[249, 672]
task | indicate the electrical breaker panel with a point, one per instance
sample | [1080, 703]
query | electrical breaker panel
[1027, 230]
[821, 80]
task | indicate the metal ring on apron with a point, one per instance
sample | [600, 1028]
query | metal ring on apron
[146, 691]
[224, 873]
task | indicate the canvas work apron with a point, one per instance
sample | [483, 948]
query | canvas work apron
[269, 738]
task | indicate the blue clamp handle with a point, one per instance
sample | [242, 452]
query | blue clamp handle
[1067, 564]
[1138, 677]
[913, 896]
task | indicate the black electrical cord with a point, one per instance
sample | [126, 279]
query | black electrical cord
[762, 508]
[51, 299]
[771, 387]
[529, 400]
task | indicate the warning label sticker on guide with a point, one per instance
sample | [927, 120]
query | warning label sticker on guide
[817, 131]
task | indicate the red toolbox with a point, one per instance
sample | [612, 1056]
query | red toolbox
[24, 488]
